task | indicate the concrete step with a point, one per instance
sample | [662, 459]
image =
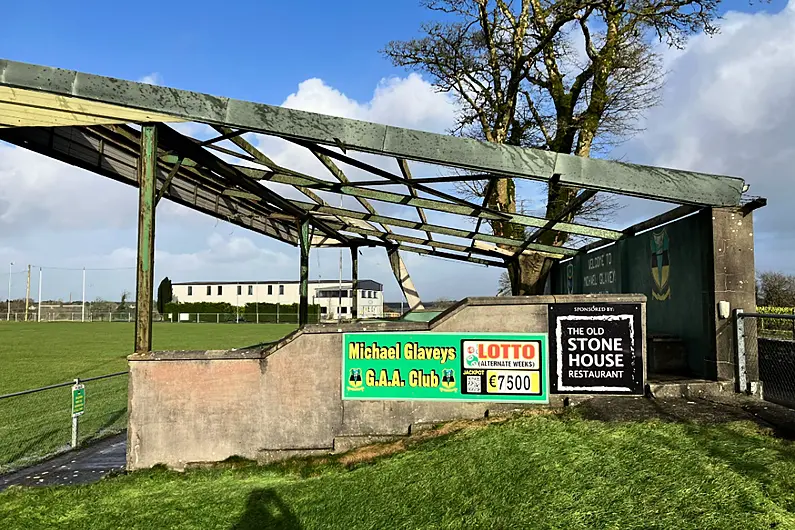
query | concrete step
[690, 388]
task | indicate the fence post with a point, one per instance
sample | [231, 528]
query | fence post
[739, 339]
[218, 318]
[74, 420]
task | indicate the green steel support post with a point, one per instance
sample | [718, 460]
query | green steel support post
[303, 305]
[147, 192]
[355, 282]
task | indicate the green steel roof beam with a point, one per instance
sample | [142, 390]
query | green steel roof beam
[193, 151]
[436, 229]
[428, 204]
[684, 187]
[406, 172]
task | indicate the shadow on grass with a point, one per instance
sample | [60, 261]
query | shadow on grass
[264, 509]
[27, 451]
[105, 429]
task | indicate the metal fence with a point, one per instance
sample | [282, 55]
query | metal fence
[74, 316]
[38, 423]
[775, 347]
[284, 317]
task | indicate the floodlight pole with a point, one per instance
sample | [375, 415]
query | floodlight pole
[83, 308]
[38, 315]
[8, 316]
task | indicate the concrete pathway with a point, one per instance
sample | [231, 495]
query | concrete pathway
[75, 467]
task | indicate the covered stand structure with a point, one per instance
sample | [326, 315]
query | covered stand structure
[125, 131]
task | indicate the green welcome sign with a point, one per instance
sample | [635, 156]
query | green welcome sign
[445, 366]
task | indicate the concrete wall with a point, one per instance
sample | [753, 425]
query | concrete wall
[188, 407]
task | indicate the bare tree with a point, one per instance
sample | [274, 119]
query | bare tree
[570, 76]
[776, 289]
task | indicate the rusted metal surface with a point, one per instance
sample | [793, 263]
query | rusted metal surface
[404, 280]
[118, 160]
[303, 291]
[406, 171]
[144, 285]
[428, 204]
[684, 187]
[191, 172]
[355, 282]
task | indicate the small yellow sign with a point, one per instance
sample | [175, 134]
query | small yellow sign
[513, 381]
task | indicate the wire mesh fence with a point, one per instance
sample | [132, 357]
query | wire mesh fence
[768, 338]
[777, 370]
[37, 423]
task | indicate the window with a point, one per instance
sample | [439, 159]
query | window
[323, 310]
[343, 310]
[270, 290]
[251, 290]
[220, 290]
[281, 289]
[190, 290]
[239, 290]
[209, 290]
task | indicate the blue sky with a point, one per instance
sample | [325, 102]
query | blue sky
[325, 58]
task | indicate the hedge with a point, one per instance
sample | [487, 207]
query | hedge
[775, 324]
[224, 312]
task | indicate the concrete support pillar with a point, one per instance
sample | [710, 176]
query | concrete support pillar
[404, 280]
[355, 282]
[303, 304]
[147, 189]
[734, 282]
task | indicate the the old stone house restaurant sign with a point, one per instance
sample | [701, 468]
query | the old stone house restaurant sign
[596, 348]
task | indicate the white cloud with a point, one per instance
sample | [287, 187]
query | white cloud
[728, 109]
[42, 194]
[152, 79]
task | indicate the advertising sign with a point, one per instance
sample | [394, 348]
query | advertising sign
[78, 400]
[445, 366]
[596, 348]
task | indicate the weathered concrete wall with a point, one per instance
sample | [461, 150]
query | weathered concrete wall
[735, 282]
[188, 407]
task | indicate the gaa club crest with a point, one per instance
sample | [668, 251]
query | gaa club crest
[660, 265]
[448, 380]
[355, 379]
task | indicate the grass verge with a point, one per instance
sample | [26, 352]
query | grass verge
[541, 471]
[41, 354]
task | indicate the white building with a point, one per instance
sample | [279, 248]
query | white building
[325, 294]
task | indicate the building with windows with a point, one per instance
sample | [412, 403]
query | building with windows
[333, 301]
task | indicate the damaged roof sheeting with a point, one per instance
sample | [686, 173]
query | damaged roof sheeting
[82, 119]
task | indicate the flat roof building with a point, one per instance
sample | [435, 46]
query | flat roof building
[334, 302]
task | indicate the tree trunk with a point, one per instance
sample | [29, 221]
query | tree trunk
[529, 274]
